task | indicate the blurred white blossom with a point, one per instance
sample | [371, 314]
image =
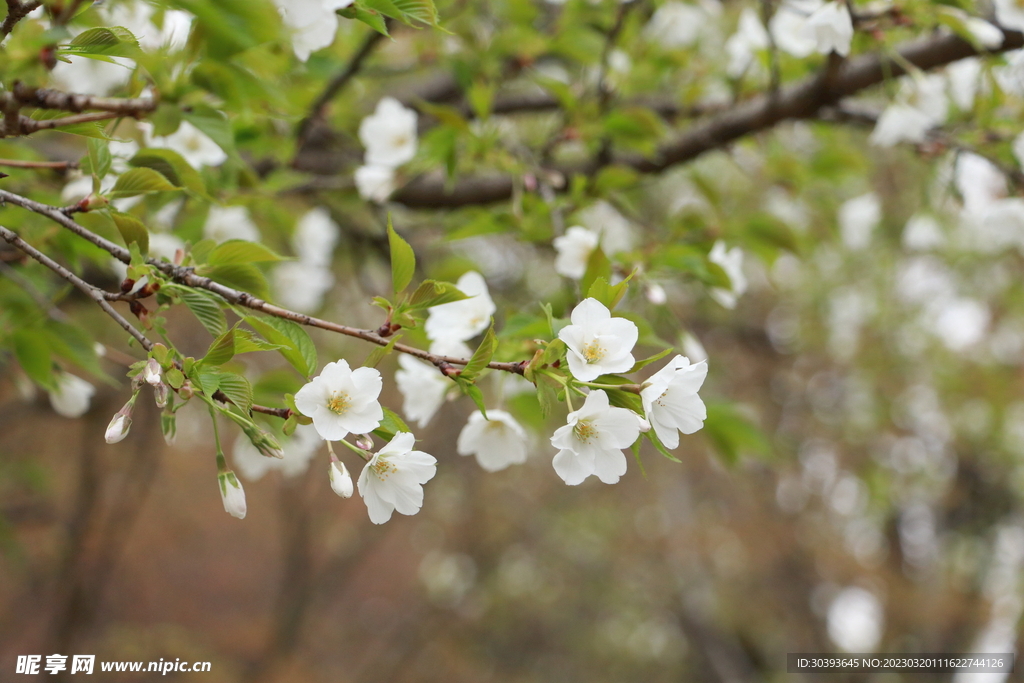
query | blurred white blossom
[497, 441]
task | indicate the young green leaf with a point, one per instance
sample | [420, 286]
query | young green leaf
[481, 357]
[403, 260]
[206, 308]
[433, 293]
[296, 346]
[241, 251]
[136, 181]
[237, 389]
[221, 350]
[132, 230]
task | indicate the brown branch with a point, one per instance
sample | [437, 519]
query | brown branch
[16, 11]
[801, 100]
[187, 276]
[56, 165]
[30, 125]
[338, 83]
[45, 98]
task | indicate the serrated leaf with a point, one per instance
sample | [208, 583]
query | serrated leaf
[172, 166]
[482, 356]
[214, 124]
[598, 265]
[206, 308]
[107, 41]
[408, 12]
[390, 425]
[403, 260]
[609, 295]
[136, 181]
[241, 251]
[248, 342]
[221, 350]
[371, 18]
[237, 389]
[243, 276]
[625, 399]
[99, 159]
[653, 437]
[432, 293]
[473, 391]
[132, 230]
[296, 346]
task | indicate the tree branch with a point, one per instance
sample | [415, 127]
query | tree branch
[187, 276]
[46, 98]
[16, 11]
[801, 100]
[55, 165]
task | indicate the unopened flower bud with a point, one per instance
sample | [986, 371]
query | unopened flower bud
[365, 441]
[160, 393]
[232, 494]
[341, 480]
[93, 202]
[118, 428]
[645, 426]
[264, 443]
[186, 391]
[655, 293]
[153, 374]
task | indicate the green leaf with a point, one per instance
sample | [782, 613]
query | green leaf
[172, 166]
[33, 354]
[390, 425]
[609, 295]
[206, 307]
[296, 346]
[106, 41]
[132, 230]
[243, 276]
[241, 251]
[138, 181]
[99, 160]
[733, 435]
[89, 129]
[174, 378]
[221, 350]
[248, 342]
[433, 293]
[380, 353]
[403, 260]
[482, 356]
[473, 391]
[371, 18]
[407, 11]
[598, 265]
[238, 389]
[647, 361]
[214, 124]
[653, 436]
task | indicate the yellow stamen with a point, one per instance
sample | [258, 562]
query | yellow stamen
[339, 403]
[382, 468]
[584, 431]
[594, 352]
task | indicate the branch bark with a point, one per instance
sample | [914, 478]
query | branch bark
[800, 100]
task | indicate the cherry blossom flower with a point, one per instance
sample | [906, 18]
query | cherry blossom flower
[232, 494]
[315, 237]
[901, 123]
[671, 402]
[731, 261]
[613, 229]
[90, 76]
[341, 480]
[423, 389]
[375, 183]
[831, 28]
[1010, 13]
[743, 46]
[462, 320]
[573, 251]
[676, 24]
[497, 441]
[301, 286]
[191, 143]
[137, 17]
[393, 479]
[72, 395]
[313, 23]
[598, 343]
[389, 134]
[592, 440]
[341, 400]
[230, 223]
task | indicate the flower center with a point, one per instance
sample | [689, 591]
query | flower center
[585, 431]
[594, 352]
[400, 140]
[660, 402]
[382, 468]
[339, 403]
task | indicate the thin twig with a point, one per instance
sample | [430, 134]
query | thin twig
[187, 276]
[46, 98]
[55, 165]
[16, 11]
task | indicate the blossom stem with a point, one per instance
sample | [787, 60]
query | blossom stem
[222, 466]
[631, 388]
[355, 449]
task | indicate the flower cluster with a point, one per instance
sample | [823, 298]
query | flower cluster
[389, 136]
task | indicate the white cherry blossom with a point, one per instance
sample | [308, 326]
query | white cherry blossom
[301, 286]
[393, 479]
[137, 17]
[341, 400]
[316, 235]
[788, 27]
[462, 320]
[731, 261]
[1010, 13]
[230, 223]
[447, 346]
[965, 76]
[423, 389]
[497, 441]
[232, 494]
[592, 440]
[72, 395]
[389, 134]
[743, 46]
[611, 227]
[901, 123]
[313, 23]
[573, 251]
[598, 343]
[375, 183]
[90, 76]
[195, 146]
[676, 24]
[831, 28]
[671, 402]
